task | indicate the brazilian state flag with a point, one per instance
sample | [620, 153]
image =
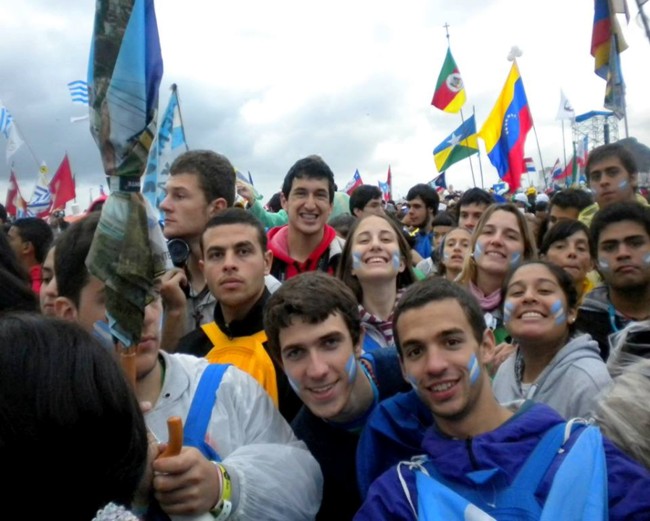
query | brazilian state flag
[450, 90]
[461, 143]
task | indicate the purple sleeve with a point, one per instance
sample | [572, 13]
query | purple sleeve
[628, 484]
[386, 499]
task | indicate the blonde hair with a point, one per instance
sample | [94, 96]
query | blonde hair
[468, 273]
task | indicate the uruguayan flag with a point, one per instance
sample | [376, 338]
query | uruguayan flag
[79, 91]
[5, 120]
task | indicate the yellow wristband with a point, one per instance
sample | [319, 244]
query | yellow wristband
[226, 487]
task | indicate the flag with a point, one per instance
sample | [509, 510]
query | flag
[168, 144]
[389, 182]
[102, 193]
[605, 26]
[62, 185]
[506, 128]
[41, 200]
[15, 204]
[439, 182]
[79, 91]
[449, 95]
[461, 143]
[8, 128]
[384, 190]
[353, 183]
[565, 110]
[530, 165]
[615, 88]
[250, 178]
[583, 151]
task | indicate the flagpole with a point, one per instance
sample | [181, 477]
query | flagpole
[480, 164]
[174, 88]
[563, 142]
[471, 166]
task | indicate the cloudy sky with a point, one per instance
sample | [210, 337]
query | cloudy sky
[266, 83]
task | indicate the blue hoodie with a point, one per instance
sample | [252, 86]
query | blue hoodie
[506, 449]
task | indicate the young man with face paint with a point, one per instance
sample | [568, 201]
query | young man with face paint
[243, 430]
[552, 364]
[621, 233]
[612, 173]
[476, 448]
[313, 328]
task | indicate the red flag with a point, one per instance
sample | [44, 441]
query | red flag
[389, 182]
[15, 204]
[62, 185]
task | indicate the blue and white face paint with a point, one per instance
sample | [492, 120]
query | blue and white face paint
[603, 265]
[294, 385]
[623, 184]
[414, 383]
[515, 259]
[397, 260]
[474, 369]
[356, 260]
[558, 312]
[507, 311]
[351, 368]
[478, 251]
[646, 259]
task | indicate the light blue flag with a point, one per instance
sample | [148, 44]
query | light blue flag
[168, 144]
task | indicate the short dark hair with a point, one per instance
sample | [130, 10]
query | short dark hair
[572, 198]
[312, 297]
[3, 213]
[612, 150]
[10, 262]
[237, 216]
[443, 219]
[215, 172]
[342, 224]
[38, 233]
[475, 195]
[616, 213]
[72, 248]
[429, 196]
[61, 388]
[274, 204]
[562, 230]
[435, 289]
[310, 167]
[362, 195]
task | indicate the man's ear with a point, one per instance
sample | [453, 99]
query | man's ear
[216, 206]
[356, 212]
[487, 346]
[64, 308]
[283, 201]
[268, 261]
[202, 266]
[358, 349]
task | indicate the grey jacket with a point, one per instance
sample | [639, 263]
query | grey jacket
[570, 384]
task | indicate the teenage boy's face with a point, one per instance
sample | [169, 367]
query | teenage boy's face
[308, 206]
[610, 182]
[186, 209]
[442, 359]
[234, 264]
[418, 213]
[624, 255]
[320, 362]
[470, 214]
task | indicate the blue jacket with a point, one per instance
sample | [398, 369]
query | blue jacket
[506, 448]
[423, 244]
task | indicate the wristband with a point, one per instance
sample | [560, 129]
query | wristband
[223, 508]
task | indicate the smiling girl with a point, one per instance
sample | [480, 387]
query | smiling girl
[376, 265]
[551, 364]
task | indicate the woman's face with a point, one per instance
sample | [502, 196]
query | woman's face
[375, 250]
[500, 245]
[572, 255]
[457, 243]
[535, 306]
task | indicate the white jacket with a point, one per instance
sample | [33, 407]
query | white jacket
[274, 476]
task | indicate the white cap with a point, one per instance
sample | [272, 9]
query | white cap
[542, 198]
[521, 198]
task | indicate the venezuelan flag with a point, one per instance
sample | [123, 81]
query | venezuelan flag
[506, 128]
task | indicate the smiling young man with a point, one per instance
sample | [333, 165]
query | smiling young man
[422, 203]
[476, 448]
[314, 331]
[612, 174]
[241, 428]
[235, 262]
[307, 242]
[621, 233]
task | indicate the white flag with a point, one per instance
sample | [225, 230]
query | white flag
[565, 111]
[13, 142]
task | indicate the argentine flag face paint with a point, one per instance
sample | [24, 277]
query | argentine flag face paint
[507, 311]
[478, 252]
[603, 265]
[351, 368]
[356, 260]
[515, 259]
[397, 260]
[558, 312]
[474, 369]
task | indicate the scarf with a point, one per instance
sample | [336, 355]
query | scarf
[487, 302]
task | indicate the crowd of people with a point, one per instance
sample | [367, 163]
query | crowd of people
[338, 358]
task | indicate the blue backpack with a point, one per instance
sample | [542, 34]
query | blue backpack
[578, 490]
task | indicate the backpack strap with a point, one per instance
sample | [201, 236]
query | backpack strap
[196, 423]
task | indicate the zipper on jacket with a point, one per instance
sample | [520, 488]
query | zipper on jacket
[472, 458]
